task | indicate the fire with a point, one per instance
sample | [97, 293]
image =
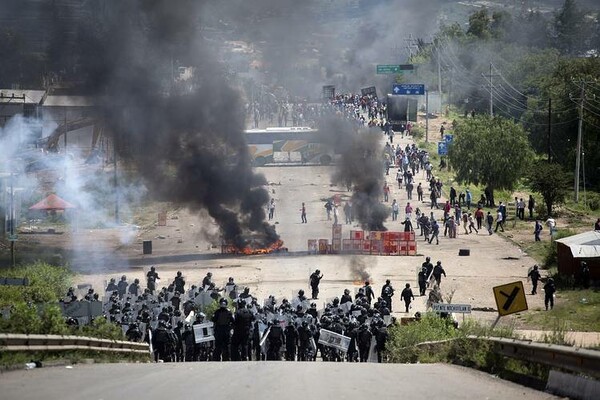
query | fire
[276, 246]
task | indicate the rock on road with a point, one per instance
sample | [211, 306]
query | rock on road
[260, 380]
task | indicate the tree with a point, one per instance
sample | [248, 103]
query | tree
[551, 181]
[571, 30]
[479, 24]
[489, 151]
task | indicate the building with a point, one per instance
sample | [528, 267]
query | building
[572, 250]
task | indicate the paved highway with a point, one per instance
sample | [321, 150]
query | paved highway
[259, 380]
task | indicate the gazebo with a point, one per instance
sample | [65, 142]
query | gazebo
[52, 203]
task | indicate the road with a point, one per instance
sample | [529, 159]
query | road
[260, 380]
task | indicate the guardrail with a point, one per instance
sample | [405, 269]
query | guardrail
[22, 342]
[574, 359]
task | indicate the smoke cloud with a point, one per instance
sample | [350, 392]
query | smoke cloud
[187, 145]
[358, 268]
[360, 167]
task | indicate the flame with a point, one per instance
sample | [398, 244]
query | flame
[249, 250]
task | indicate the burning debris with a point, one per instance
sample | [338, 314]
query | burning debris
[254, 247]
[358, 271]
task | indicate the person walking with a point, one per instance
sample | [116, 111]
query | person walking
[422, 281]
[490, 222]
[419, 192]
[336, 214]
[499, 221]
[395, 210]
[435, 231]
[408, 211]
[531, 206]
[386, 192]
[537, 230]
[549, 290]
[472, 224]
[437, 273]
[479, 217]
[303, 214]
[407, 295]
[535, 276]
[271, 209]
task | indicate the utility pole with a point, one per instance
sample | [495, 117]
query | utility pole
[12, 219]
[426, 116]
[579, 134]
[490, 77]
[549, 128]
[116, 178]
[439, 79]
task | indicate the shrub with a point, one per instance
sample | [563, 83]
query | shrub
[430, 328]
[47, 283]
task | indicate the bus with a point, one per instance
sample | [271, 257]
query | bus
[288, 145]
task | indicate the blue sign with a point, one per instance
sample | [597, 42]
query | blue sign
[442, 148]
[408, 88]
[448, 138]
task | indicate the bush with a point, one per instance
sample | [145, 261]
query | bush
[47, 283]
[593, 200]
[430, 328]
[551, 256]
[101, 328]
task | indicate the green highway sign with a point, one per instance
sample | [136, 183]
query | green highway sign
[394, 68]
[388, 69]
[13, 237]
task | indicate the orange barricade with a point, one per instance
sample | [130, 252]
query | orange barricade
[412, 248]
[323, 243]
[357, 235]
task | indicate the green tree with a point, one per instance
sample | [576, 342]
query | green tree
[551, 181]
[571, 29]
[489, 151]
[479, 24]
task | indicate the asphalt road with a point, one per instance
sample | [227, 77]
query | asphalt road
[259, 380]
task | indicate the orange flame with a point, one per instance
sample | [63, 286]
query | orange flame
[249, 250]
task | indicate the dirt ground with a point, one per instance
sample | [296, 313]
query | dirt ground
[184, 244]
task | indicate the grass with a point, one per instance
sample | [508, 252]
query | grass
[17, 360]
[574, 310]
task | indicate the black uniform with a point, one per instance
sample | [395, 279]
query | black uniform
[223, 321]
[387, 292]
[241, 334]
[438, 270]
[407, 296]
[291, 341]
[422, 281]
[276, 340]
[535, 276]
[315, 279]
[549, 289]
[364, 342]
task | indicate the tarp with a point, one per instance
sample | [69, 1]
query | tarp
[52, 202]
[584, 245]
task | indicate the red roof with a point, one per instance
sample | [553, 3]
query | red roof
[52, 202]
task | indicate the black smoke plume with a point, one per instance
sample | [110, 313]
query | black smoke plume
[360, 167]
[187, 143]
[358, 268]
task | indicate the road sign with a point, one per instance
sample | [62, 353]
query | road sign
[371, 90]
[13, 238]
[388, 69]
[510, 298]
[452, 308]
[442, 148]
[408, 88]
[449, 138]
